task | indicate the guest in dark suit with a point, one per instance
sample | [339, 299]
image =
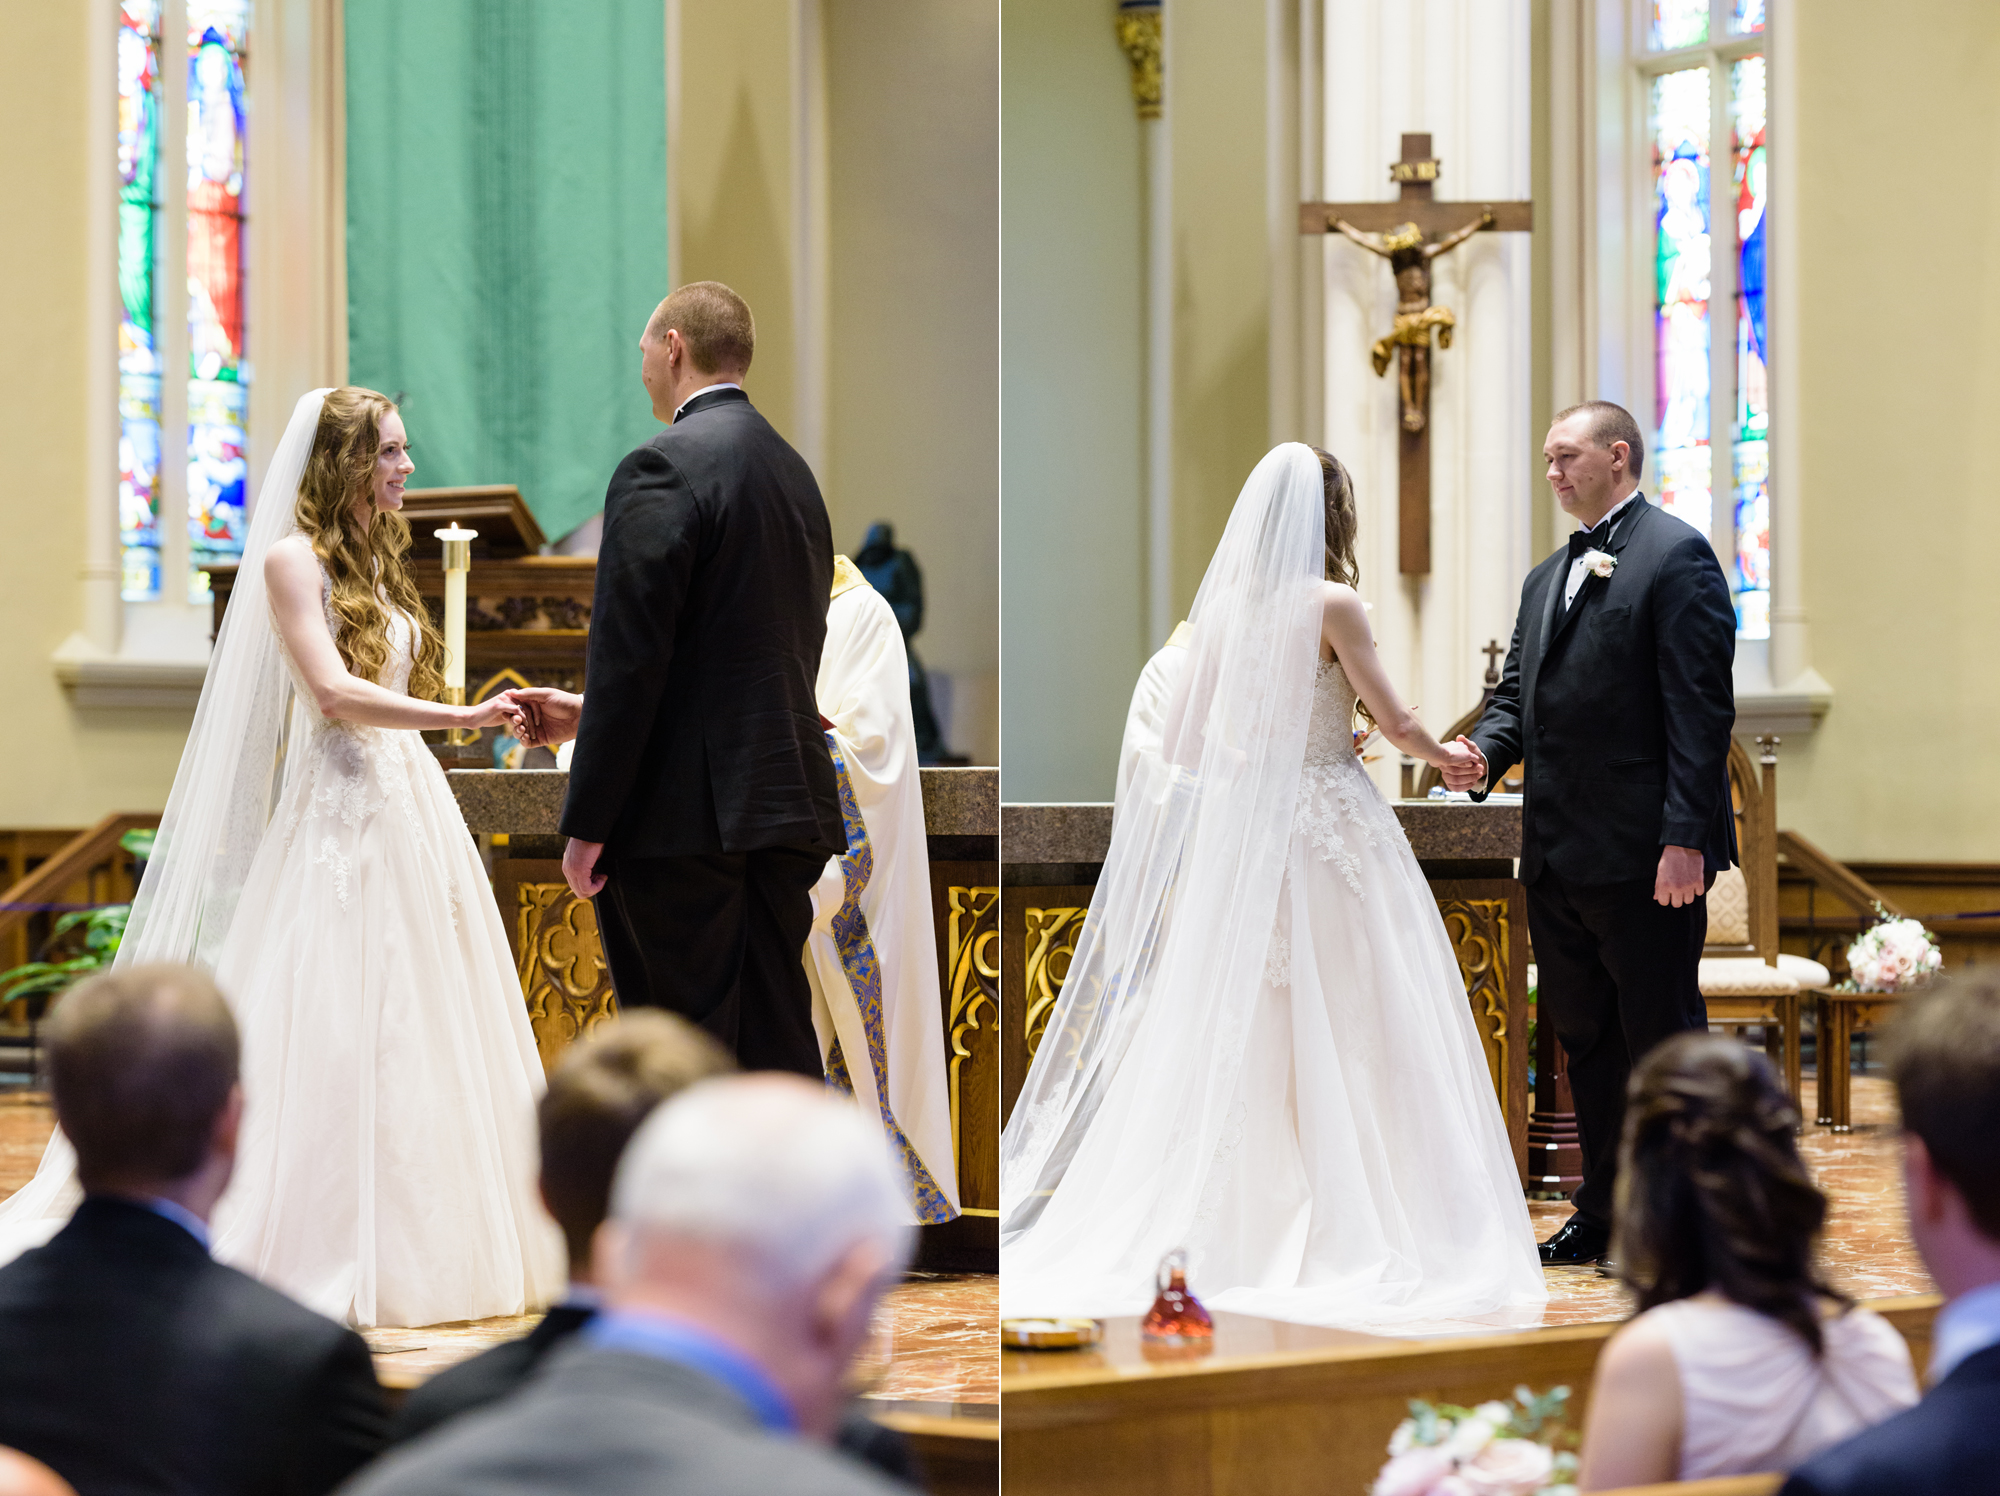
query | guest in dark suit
[1617, 699]
[702, 799]
[1944, 1056]
[755, 1221]
[130, 1361]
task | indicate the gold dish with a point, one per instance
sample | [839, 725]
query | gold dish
[1050, 1334]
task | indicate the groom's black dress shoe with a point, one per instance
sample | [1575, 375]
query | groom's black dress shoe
[1578, 1244]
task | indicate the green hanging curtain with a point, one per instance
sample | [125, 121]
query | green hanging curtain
[507, 234]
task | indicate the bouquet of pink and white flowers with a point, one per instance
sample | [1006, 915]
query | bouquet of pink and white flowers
[1893, 955]
[1495, 1449]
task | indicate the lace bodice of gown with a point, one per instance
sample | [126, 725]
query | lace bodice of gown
[1330, 736]
[1339, 806]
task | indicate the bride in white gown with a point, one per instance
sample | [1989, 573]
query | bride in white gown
[312, 856]
[1263, 1051]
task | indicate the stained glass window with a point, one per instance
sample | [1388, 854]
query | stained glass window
[1680, 23]
[1750, 177]
[219, 374]
[1681, 270]
[1748, 16]
[138, 355]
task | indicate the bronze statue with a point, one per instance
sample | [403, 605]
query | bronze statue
[1410, 256]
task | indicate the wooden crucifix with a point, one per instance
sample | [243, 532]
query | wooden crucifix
[1409, 233]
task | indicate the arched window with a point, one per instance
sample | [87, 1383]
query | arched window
[183, 378]
[1704, 69]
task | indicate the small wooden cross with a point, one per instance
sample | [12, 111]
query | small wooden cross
[1493, 651]
[1410, 232]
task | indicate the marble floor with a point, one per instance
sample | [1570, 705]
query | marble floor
[934, 1346]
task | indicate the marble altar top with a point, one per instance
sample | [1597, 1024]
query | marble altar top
[1437, 829]
[528, 802]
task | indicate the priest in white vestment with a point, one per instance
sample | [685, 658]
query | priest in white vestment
[1146, 718]
[872, 954]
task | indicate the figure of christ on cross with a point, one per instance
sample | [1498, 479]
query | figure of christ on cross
[1402, 231]
[1410, 256]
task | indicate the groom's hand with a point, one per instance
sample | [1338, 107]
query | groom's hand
[1682, 878]
[1464, 766]
[580, 867]
[552, 715]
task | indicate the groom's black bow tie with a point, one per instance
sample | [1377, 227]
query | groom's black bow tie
[1589, 540]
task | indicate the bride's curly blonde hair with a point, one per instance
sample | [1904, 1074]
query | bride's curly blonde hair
[340, 470]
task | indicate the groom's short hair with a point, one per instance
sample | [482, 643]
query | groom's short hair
[604, 1086]
[1608, 423]
[714, 322]
[141, 1063]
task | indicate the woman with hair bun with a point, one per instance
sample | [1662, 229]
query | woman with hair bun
[1742, 1359]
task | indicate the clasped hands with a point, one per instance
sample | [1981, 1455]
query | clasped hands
[540, 716]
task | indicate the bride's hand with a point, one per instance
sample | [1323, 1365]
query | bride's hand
[1463, 764]
[495, 711]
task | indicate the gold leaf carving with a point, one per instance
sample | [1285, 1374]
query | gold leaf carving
[972, 958]
[563, 975]
[1052, 935]
[1480, 930]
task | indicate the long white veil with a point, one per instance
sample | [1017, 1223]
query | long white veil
[227, 782]
[217, 810]
[1183, 914]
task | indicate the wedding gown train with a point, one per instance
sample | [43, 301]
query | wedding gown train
[1363, 1175]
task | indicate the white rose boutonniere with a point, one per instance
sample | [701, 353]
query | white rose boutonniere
[1601, 562]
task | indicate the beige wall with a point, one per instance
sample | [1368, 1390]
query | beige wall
[912, 432]
[67, 767]
[1072, 386]
[734, 207]
[1898, 359]
[1222, 271]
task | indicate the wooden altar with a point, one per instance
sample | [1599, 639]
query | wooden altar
[1051, 856]
[567, 987]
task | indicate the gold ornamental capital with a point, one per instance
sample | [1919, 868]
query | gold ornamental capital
[1139, 34]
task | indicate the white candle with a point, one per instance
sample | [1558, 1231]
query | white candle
[457, 563]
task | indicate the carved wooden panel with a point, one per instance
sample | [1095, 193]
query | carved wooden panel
[557, 952]
[1039, 927]
[965, 899]
[1486, 921]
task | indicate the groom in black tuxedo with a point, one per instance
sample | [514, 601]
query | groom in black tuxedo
[1618, 701]
[702, 799]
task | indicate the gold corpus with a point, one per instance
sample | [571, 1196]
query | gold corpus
[563, 974]
[1479, 931]
[1413, 329]
[1139, 34]
[972, 958]
[1052, 935]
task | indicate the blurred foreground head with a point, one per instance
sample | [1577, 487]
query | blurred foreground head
[604, 1086]
[1712, 1192]
[1943, 1053]
[766, 1210]
[142, 1065]
[21, 1476]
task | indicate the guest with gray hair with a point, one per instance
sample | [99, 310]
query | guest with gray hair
[755, 1223]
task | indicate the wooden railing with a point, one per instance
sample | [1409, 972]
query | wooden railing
[84, 852]
[1836, 877]
[1726, 1485]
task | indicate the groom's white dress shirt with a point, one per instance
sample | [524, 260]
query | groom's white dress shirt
[1576, 567]
[726, 384]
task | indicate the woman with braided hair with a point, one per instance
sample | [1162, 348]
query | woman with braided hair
[1743, 1359]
